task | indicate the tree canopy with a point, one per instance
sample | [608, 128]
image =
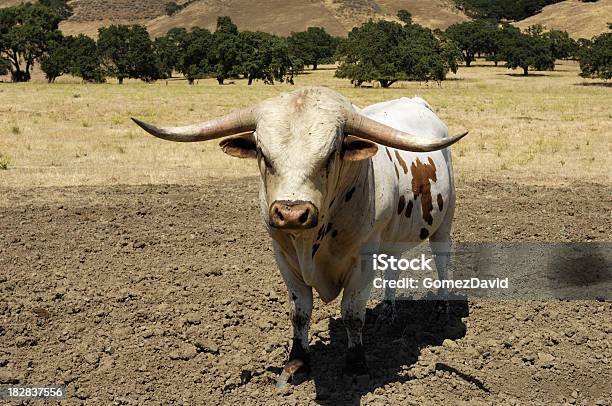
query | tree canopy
[127, 52]
[525, 50]
[503, 9]
[596, 57]
[168, 50]
[386, 52]
[224, 50]
[312, 45]
[61, 7]
[263, 56]
[194, 61]
[561, 44]
[26, 34]
[472, 38]
[75, 55]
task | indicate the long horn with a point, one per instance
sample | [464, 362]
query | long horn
[364, 127]
[239, 121]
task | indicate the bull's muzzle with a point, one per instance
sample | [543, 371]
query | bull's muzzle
[293, 214]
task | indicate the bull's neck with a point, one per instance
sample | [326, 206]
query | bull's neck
[352, 175]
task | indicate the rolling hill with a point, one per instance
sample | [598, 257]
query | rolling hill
[336, 16]
[284, 16]
[579, 19]
[275, 16]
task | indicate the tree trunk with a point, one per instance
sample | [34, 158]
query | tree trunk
[525, 70]
[220, 79]
[468, 61]
[120, 79]
[314, 66]
[190, 80]
[250, 80]
[27, 70]
[20, 76]
[386, 83]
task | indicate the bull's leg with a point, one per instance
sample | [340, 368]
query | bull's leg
[387, 310]
[300, 310]
[354, 300]
[440, 243]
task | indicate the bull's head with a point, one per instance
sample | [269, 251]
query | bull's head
[302, 141]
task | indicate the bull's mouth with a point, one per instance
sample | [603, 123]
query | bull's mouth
[293, 215]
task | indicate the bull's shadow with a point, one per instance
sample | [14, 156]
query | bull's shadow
[390, 349]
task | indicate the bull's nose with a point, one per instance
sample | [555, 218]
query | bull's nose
[293, 214]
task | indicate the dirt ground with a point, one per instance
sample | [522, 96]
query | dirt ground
[170, 295]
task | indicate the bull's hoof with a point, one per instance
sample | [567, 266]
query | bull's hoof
[296, 369]
[356, 364]
[295, 372]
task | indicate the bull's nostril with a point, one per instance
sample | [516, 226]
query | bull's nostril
[279, 214]
[304, 217]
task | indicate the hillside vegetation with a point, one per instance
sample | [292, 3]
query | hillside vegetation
[95, 10]
[580, 19]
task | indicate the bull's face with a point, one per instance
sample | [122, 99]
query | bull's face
[301, 147]
[302, 142]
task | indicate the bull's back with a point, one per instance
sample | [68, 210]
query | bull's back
[413, 190]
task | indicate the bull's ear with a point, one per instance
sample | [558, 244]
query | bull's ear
[357, 149]
[240, 146]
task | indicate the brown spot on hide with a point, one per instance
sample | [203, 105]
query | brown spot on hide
[424, 233]
[401, 204]
[440, 202]
[314, 249]
[389, 154]
[421, 175]
[396, 171]
[349, 194]
[401, 162]
[409, 209]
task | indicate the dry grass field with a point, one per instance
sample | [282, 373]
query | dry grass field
[548, 128]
